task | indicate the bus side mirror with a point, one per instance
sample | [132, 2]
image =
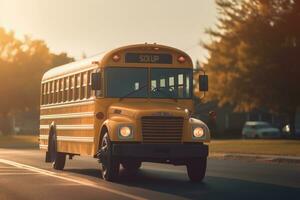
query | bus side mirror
[96, 81]
[203, 83]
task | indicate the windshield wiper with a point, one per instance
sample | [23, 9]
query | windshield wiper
[134, 91]
[164, 93]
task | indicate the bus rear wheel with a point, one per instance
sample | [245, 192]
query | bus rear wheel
[196, 169]
[60, 161]
[110, 164]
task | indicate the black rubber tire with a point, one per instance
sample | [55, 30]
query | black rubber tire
[131, 165]
[110, 165]
[60, 161]
[196, 169]
[51, 146]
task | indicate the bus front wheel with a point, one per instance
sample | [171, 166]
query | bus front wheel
[196, 169]
[110, 165]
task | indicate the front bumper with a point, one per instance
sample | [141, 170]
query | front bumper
[160, 152]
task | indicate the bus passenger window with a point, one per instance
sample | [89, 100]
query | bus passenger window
[51, 92]
[44, 94]
[66, 90]
[56, 92]
[48, 93]
[89, 85]
[72, 85]
[84, 86]
[61, 88]
[99, 93]
[77, 89]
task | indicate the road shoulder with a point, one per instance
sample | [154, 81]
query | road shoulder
[256, 157]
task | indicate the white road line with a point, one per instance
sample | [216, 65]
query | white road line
[18, 173]
[81, 182]
[7, 167]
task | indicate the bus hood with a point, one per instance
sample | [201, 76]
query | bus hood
[139, 109]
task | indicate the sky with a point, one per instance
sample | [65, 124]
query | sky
[92, 26]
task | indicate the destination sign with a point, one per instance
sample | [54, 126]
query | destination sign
[148, 58]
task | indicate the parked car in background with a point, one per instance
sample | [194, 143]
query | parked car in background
[259, 129]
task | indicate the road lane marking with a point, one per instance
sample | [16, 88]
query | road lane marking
[81, 182]
[18, 173]
[7, 168]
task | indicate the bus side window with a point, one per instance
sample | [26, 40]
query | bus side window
[84, 85]
[77, 87]
[61, 90]
[89, 85]
[66, 90]
[56, 91]
[48, 93]
[99, 93]
[44, 94]
[72, 85]
[51, 91]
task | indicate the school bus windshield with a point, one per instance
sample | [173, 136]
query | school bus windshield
[133, 82]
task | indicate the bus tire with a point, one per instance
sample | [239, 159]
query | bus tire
[110, 165]
[60, 161]
[131, 165]
[196, 169]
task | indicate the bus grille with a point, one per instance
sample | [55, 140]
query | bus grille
[159, 129]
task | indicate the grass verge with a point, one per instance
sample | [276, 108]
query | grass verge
[259, 147]
[19, 141]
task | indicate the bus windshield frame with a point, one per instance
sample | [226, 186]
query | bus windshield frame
[149, 82]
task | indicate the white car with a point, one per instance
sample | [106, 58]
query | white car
[259, 129]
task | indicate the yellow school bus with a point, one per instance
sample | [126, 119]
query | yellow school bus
[126, 106]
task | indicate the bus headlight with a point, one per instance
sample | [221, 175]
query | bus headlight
[198, 132]
[125, 132]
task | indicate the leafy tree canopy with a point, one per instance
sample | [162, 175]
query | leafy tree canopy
[22, 65]
[254, 55]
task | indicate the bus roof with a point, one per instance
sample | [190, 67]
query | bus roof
[88, 62]
[71, 67]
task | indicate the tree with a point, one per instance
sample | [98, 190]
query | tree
[253, 56]
[22, 64]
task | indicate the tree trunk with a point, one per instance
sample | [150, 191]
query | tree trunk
[292, 119]
[5, 125]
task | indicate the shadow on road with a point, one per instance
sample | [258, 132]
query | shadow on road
[176, 183]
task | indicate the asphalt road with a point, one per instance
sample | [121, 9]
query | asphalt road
[25, 176]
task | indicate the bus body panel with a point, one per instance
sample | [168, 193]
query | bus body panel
[78, 122]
